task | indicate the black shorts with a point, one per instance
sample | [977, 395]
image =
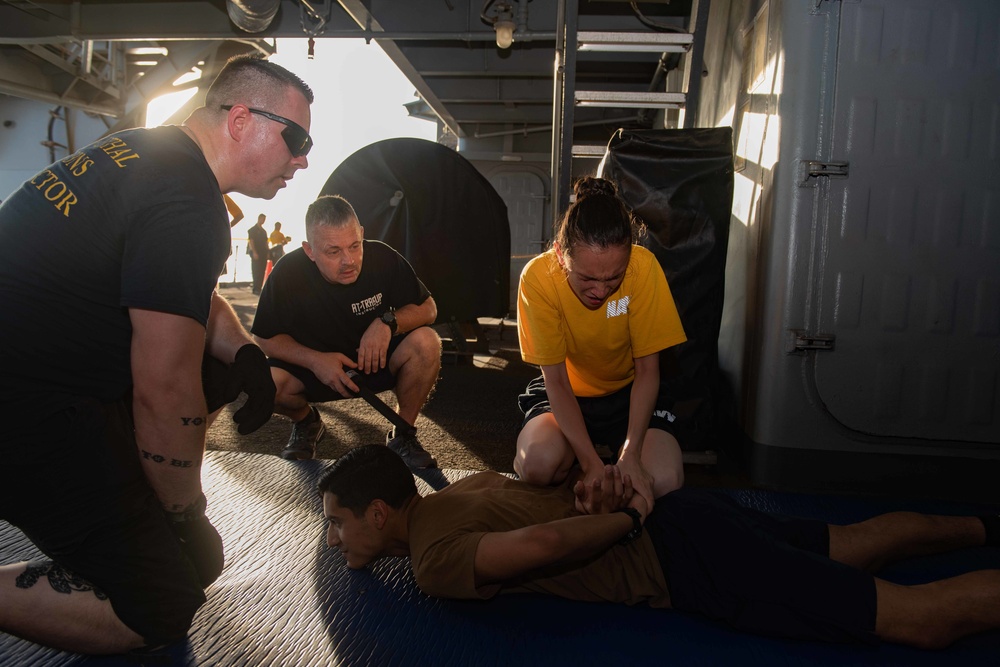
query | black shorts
[757, 572]
[317, 392]
[75, 487]
[606, 417]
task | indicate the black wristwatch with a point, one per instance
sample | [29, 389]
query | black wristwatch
[389, 318]
[636, 531]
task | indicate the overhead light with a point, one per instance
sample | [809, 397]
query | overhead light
[146, 51]
[505, 32]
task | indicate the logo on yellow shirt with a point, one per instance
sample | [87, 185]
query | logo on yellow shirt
[617, 307]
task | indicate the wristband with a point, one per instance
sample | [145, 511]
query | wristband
[636, 531]
[193, 513]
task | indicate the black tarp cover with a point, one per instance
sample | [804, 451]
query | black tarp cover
[680, 182]
[448, 221]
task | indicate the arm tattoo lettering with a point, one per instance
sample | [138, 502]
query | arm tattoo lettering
[157, 458]
[60, 579]
[192, 421]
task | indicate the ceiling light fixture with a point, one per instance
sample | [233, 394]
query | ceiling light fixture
[505, 32]
[501, 17]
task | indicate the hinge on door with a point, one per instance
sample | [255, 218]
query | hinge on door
[816, 168]
[803, 340]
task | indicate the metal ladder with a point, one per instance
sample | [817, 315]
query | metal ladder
[566, 97]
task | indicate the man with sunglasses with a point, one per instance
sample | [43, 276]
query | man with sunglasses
[118, 353]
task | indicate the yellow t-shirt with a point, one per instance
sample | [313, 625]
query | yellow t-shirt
[598, 346]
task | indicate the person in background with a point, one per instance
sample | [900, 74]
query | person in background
[235, 212]
[278, 242]
[341, 311]
[259, 252]
[594, 312]
[118, 351]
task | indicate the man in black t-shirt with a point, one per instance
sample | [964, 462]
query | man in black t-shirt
[259, 253]
[324, 314]
[117, 352]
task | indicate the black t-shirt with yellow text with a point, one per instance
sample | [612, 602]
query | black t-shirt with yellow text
[134, 220]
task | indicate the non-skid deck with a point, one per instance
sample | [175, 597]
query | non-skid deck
[284, 598]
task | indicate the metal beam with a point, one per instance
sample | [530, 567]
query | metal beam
[357, 11]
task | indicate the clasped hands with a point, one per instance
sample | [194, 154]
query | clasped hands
[596, 494]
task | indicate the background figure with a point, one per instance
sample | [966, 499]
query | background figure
[102, 432]
[259, 253]
[594, 312]
[341, 304]
[278, 241]
[235, 212]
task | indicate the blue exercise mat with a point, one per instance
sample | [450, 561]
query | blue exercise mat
[285, 599]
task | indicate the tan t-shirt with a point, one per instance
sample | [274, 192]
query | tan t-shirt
[446, 526]
[598, 346]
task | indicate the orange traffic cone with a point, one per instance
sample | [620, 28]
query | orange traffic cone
[267, 270]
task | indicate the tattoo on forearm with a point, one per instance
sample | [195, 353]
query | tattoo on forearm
[192, 421]
[157, 458]
[60, 579]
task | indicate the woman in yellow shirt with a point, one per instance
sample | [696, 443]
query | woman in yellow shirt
[593, 312]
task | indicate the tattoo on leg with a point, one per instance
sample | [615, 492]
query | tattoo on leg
[60, 579]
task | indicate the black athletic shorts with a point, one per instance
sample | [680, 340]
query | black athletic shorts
[75, 487]
[606, 417]
[317, 392]
[758, 572]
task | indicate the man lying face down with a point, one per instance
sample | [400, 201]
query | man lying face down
[793, 578]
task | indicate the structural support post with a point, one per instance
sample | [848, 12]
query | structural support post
[698, 27]
[563, 93]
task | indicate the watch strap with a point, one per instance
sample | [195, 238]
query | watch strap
[389, 319]
[636, 531]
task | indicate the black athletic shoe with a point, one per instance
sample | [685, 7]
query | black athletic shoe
[305, 436]
[410, 450]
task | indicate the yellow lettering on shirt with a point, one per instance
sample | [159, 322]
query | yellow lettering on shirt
[118, 150]
[55, 191]
[77, 163]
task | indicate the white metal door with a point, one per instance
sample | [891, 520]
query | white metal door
[909, 275]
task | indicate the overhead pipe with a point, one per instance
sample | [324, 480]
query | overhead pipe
[252, 15]
[548, 128]
[368, 35]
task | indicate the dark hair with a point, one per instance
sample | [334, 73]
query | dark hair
[250, 79]
[598, 218]
[366, 473]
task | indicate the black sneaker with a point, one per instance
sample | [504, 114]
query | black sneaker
[305, 435]
[410, 450]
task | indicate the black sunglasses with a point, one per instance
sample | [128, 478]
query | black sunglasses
[296, 138]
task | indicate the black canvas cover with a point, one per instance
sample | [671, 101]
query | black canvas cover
[680, 182]
[431, 205]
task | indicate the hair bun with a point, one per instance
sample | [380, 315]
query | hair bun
[588, 186]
